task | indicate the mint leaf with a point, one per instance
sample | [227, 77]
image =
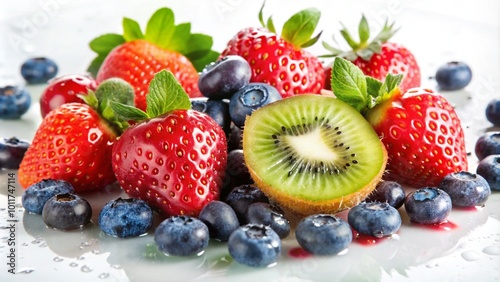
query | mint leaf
[160, 27]
[391, 82]
[131, 30]
[127, 112]
[300, 27]
[165, 94]
[373, 86]
[349, 84]
[105, 43]
[181, 38]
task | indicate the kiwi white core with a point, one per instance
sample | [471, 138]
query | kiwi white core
[319, 151]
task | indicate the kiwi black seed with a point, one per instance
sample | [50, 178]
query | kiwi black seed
[313, 154]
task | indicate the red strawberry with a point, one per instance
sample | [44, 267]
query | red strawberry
[419, 128]
[281, 60]
[380, 57]
[175, 159]
[136, 57]
[74, 141]
[65, 89]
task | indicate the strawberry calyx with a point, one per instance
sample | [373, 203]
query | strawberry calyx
[298, 29]
[165, 95]
[162, 31]
[362, 92]
[364, 48]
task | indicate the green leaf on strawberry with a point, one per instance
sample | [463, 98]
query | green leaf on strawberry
[165, 94]
[162, 31]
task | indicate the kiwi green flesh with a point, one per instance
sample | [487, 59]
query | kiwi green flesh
[313, 153]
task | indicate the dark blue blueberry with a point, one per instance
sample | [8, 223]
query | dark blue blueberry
[220, 219]
[376, 219]
[241, 197]
[453, 76]
[37, 194]
[390, 192]
[254, 245]
[14, 102]
[249, 98]
[466, 189]
[323, 234]
[221, 79]
[12, 152]
[216, 109]
[38, 70]
[428, 205]
[488, 144]
[236, 169]
[234, 140]
[182, 236]
[270, 215]
[493, 112]
[489, 169]
[125, 218]
[66, 211]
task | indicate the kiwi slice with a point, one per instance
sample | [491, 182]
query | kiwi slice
[313, 154]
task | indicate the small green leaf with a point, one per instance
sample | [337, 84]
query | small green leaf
[349, 84]
[270, 25]
[300, 27]
[261, 14]
[127, 112]
[391, 82]
[348, 38]
[105, 43]
[90, 99]
[165, 94]
[181, 38]
[131, 30]
[373, 86]
[363, 30]
[312, 41]
[160, 27]
[199, 45]
[96, 63]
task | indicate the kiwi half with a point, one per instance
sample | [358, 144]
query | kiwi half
[313, 154]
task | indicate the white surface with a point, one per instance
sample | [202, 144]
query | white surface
[436, 32]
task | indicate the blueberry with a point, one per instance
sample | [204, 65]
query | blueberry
[221, 79]
[493, 112]
[236, 169]
[234, 140]
[182, 236]
[38, 70]
[12, 152]
[489, 169]
[243, 196]
[254, 245]
[323, 234]
[37, 194]
[488, 144]
[125, 217]
[249, 98]
[66, 211]
[376, 219]
[453, 76]
[14, 102]
[428, 205]
[390, 192]
[270, 215]
[220, 219]
[466, 189]
[216, 109]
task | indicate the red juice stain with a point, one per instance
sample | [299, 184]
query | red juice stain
[443, 226]
[298, 253]
[365, 239]
[471, 209]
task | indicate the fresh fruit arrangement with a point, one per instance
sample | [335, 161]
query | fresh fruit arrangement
[261, 147]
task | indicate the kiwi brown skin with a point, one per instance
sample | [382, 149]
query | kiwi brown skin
[304, 207]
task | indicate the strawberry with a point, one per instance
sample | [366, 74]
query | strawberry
[74, 141]
[379, 57]
[419, 128]
[281, 60]
[136, 56]
[174, 158]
